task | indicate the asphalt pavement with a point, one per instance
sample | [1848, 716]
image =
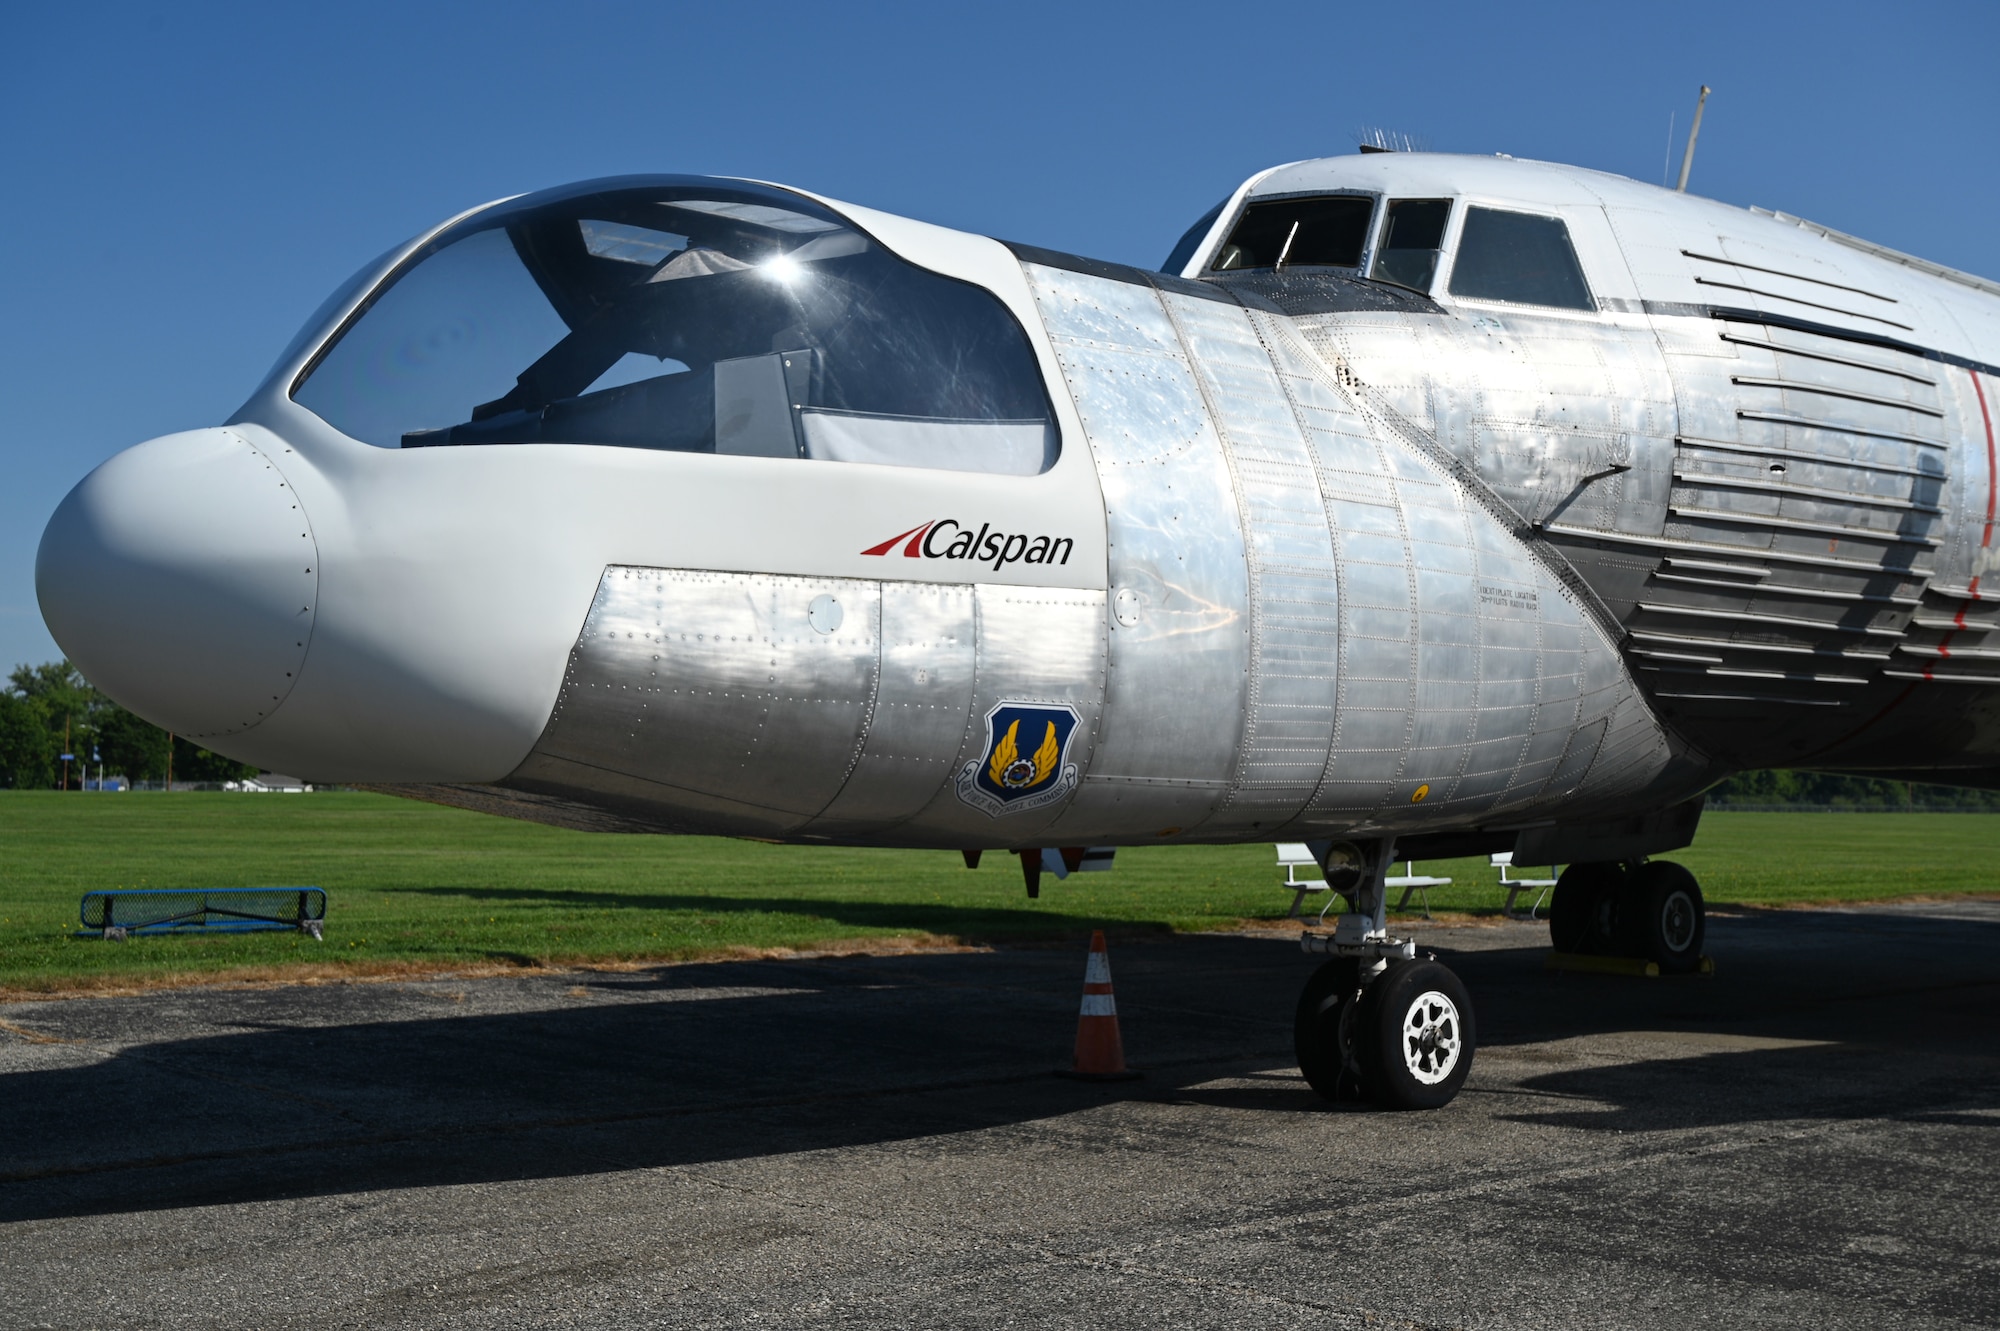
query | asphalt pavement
[1806, 1139]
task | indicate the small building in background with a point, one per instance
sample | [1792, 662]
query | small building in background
[268, 782]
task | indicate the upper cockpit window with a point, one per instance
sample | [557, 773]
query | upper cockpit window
[1521, 258]
[699, 317]
[629, 244]
[1329, 231]
[1412, 236]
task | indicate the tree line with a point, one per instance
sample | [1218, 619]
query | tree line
[1828, 790]
[47, 706]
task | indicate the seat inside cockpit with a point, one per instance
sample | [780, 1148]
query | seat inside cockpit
[687, 315]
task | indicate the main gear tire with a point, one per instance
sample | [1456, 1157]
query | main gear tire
[1323, 1031]
[1585, 907]
[1668, 919]
[1415, 1036]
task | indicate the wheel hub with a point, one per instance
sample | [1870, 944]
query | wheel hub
[1431, 1039]
[1677, 921]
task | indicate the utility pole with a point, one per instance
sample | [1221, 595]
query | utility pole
[66, 754]
[1694, 131]
[170, 764]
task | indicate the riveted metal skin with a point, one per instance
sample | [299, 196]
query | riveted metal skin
[925, 675]
[1468, 665]
[709, 701]
[711, 697]
[1179, 641]
[1382, 630]
[1289, 716]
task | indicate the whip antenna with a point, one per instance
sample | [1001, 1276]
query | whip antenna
[1694, 131]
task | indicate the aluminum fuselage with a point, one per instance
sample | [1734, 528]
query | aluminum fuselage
[1321, 558]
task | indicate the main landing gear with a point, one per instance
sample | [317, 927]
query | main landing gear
[1651, 910]
[1375, 1023]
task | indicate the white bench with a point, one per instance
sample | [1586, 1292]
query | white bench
[1515, 886]
[1412, 881]
[1292, 857]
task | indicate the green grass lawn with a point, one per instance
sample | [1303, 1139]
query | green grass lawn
[415, 884]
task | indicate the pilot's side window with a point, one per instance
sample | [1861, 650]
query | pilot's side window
[1412, 235]
[1521, 258]
[690, 317]
[1329, 231]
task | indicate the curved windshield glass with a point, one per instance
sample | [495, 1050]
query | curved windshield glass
[332, 305]
[696, 316]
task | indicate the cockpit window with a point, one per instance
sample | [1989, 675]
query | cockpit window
[629, 244]
[1411, 238]
[696, 316]
[1521, 258]
[1326, 232]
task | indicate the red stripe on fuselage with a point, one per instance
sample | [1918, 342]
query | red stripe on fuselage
[1985, 417]
[1986, 536]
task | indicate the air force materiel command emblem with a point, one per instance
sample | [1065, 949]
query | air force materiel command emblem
[1022, 767]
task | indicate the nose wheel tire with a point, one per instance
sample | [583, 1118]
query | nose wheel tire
[1323, 1031]
[1406, 1042]
[1669, 920]
[1417, 1036]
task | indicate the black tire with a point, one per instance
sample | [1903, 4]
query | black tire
[1584, 909]
[1668, 920]
[1415, 1036]
[1322, 1031]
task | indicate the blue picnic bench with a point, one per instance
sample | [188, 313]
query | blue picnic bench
[174, 910]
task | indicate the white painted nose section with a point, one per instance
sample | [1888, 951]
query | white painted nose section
[180, 577]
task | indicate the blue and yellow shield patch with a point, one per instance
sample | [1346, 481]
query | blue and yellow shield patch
[1024, 764]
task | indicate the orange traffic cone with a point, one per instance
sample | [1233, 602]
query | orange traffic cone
[1100, 1053]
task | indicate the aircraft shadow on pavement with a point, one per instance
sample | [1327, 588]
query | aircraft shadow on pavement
[352, 1088]
[940, 918]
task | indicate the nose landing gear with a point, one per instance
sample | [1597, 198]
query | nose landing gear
[1374, 1023]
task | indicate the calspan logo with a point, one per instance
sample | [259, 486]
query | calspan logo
[1023, 766]
[944, 538]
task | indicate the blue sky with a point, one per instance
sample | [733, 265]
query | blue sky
[184, 185]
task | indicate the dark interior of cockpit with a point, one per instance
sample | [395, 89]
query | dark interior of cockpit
[706, 317]
[1305, 254]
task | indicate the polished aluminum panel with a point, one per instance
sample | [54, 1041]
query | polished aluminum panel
[1960, 615]
[922, 702]
[1811, 494]
[766, 705]
[710, 697]
[1467, 669]
[1179, 624]
[1032, 645]
[1563, 416]
[1294, 638]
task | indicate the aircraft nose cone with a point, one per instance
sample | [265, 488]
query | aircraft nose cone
[180, 577]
